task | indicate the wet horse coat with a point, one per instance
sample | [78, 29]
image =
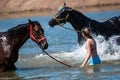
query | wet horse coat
[12, 40]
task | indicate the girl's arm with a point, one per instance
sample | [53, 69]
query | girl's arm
[88, 48]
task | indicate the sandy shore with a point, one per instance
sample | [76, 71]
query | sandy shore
[50, 13]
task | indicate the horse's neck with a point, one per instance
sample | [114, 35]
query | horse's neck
[18, 39]
[22, 40]
[78, 21]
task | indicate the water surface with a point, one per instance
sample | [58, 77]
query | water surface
[33, 64]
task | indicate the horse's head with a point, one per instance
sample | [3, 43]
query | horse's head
[61, 17]
[67, 14]
[37, 34]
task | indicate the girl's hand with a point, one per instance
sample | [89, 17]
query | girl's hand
[81, 66]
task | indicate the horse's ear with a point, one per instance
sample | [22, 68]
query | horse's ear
[64, 4]
[30, 21]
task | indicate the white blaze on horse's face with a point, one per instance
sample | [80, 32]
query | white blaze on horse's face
[5, 45]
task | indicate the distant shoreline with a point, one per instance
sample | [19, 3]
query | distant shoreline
[32, 13]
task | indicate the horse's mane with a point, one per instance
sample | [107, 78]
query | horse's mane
[78, 13]
[78, 18]
[21, 26]
[19, 29]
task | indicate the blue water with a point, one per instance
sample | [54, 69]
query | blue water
[32, 64]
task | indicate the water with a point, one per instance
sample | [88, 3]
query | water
[33, 64]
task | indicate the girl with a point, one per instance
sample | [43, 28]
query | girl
[92, 56]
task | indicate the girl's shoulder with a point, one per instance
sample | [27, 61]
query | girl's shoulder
[90, 41]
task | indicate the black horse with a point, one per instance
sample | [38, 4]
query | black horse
[12, 40]
[79, 21]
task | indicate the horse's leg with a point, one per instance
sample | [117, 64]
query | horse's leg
[10, 63]
[13, 67]
[111, 45]
[118, 41]
[2, 67]
[10, 66]
[2, 63]
[110, 48]
[80, 39]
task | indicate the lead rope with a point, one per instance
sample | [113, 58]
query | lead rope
[69, 28]
[49, 54]
[56, 59]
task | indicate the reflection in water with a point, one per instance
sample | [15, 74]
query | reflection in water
[11, 75]
[92, 69]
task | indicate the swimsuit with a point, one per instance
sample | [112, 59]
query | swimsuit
[94, 60]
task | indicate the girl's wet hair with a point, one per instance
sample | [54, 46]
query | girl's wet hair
[86, 31]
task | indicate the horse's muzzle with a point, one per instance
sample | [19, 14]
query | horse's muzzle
[52, 22]
[43, 45]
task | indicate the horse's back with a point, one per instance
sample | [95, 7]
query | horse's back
[115, 21]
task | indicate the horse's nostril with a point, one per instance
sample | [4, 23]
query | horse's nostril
[43, 45]
[51, 25]
[46, 46]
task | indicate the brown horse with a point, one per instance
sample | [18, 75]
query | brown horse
[12, 40]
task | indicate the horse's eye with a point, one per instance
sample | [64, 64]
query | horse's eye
[40, 32]
[63, 10]
[56, 15]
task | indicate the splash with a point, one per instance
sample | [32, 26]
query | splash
[74, 56]
[107, 50]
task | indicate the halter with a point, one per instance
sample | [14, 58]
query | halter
[62, 25]
[43, 38]
[58, 20]
[33, 37]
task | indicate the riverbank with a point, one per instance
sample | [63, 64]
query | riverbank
[9, 8]
[19, 6]
[45, 13]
